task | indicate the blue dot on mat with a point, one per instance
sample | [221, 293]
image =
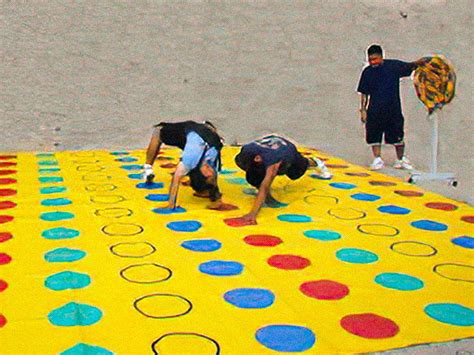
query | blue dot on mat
[56, 202]
[391, 209]
[64, 255]
[127, 159]
[294, 218]
[356, 256]
[47, 179]
[67, 280]
[237, 181]
[365, 197]
[157, 197]
[203, 245]
[227, 171]
[86, 349]
[135, 176]
[184, 226]
[275, 204]
[287, 338]
[428, 225]
[165, 210]
[48, 162]
[152, 186]
[342, 185]
[221, 268]
[465, 242]
[56, 216]
[451, 313]
[52, 189]
[323, 235]
[398, 281]
[132, 167]
[250, 297]
[120, 152]
[49, 170]
[60, 233]
[44, 155]
[75, 314]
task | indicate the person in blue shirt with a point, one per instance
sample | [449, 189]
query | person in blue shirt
[264, 159]
[380, 108]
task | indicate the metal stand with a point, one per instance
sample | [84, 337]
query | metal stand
[433, 174]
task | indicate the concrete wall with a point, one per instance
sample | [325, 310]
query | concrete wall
[98, 74]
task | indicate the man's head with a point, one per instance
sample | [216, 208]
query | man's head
[375, 55]
[204, 179]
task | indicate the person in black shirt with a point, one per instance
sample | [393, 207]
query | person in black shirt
[200, 159]
[264, 159]
[381, 110]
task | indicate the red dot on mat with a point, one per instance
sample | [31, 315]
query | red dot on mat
[7, 204]
[5, 219]
[337, 166]
[369, 325]
[442, 206]
[409, 193]
[7, 181]
[7, 192]
[468, 219]
[3, 320]
[288, 262]
[4, 236]
[3, 285]
[381, 183]
[168, 166]
[7, 157]
[357, 174]
[324, 290]
[7, 172]
[262, 240]
[5, 258]
[4, 164]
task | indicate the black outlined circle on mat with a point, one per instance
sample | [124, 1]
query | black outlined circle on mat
[114, 249]
[314, 199]
[100, 187]
[430, 250]
[113, 212]
[347, 213]
[389, 230]
[188, 306]
[122, 229]
[147, 269]
[206, 338]
[454, 277]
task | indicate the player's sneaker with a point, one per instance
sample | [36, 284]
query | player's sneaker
[148, 174]
[377, 164]
[324, 172]
[403, 163]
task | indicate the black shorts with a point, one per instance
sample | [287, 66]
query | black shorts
[391, 128]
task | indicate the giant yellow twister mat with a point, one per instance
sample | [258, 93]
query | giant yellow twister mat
[90, 263]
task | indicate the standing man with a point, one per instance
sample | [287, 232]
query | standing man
[200, 160]
[380, 107]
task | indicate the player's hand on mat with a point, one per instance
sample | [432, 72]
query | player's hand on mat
[249, 218]
[363, 116]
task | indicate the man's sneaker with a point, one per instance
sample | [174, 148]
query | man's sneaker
[403, 163]
[377, 164]
[148, 174]
[324, 172]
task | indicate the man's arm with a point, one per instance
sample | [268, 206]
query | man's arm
[364, 100]
[177, 176]
[263, 192]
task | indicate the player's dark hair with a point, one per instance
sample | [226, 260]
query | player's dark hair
[374, 49]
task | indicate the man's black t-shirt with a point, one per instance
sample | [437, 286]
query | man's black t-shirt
[382, 84]
[174, 134]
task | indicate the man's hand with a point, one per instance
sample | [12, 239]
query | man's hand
[363, 115]
[249, 218]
